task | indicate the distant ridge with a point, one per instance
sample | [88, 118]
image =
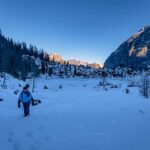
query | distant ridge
[58, 58]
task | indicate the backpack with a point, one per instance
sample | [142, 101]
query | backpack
[28, 93]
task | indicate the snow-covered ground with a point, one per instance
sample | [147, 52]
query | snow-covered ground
[78, 116]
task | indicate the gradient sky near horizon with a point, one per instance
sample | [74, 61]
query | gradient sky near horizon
[87, 30]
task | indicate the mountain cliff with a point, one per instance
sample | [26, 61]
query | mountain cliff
[134, 52]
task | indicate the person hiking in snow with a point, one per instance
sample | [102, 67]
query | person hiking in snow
[33, 101]
[25, 97]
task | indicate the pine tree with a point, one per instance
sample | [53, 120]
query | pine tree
[50, 71]
[43, 67]
[104, 75]
[145, 86]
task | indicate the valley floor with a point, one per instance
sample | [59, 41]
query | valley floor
[78, 116]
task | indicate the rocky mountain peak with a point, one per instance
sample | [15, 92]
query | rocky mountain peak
[135, 51]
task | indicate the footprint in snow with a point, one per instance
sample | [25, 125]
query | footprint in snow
[141, 111]
[124, 109]
[11, 133]
[33, 147]
[10, 138]
[47, 138]
[29, 134]
[16, 146]
[41, 127]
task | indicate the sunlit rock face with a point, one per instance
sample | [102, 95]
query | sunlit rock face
[95, 65]
[134, 52]
[58, 58]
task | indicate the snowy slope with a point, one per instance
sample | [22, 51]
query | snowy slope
[80, 116]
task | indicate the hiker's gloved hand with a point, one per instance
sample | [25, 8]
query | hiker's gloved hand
[32, 101]
[18, 105]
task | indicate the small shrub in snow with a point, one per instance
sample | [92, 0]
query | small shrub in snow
[114, 86]
[16, 92]
[4, 86]
[85, 85]
[45, 87]
[141, 111]
[100, 84]
[132, 84]
[127, 90]
[1, 99]
[108, 84]
[60, 86]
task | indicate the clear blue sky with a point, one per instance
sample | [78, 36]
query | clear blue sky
[83, 29]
